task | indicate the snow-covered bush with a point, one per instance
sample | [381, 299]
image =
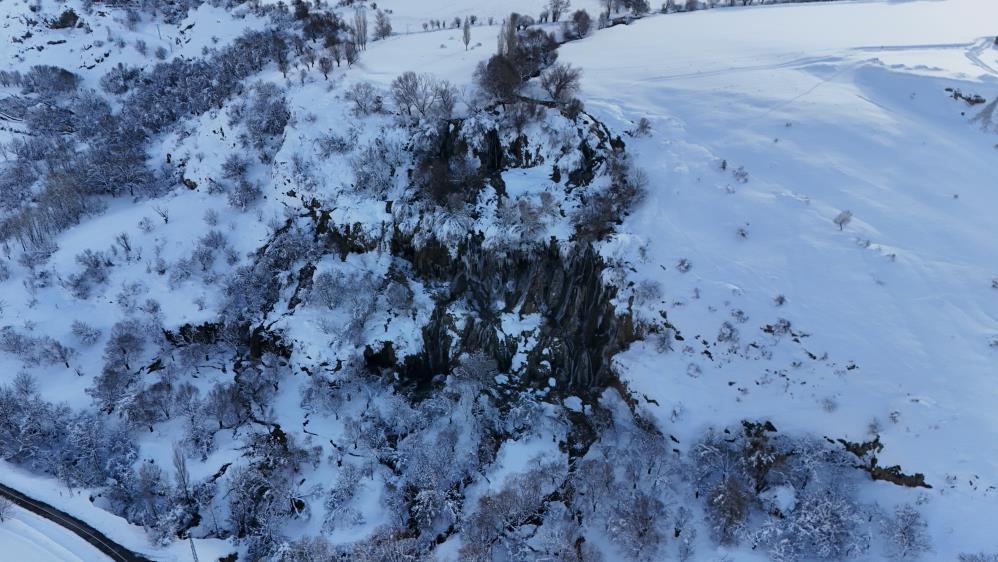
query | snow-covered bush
[265, 117]
[48, 81]
[86, 334]
[34, 351]
[907, 533]
[509, 508]
[423, 96]
[825, 525]
[366, 99]
[977, 557]
[120, 79]
[636, 525]
[728, 504]
[96, 267]
[123, 348]
[243, 194]
[374, 166]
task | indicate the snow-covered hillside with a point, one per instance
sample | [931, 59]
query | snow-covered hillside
[279, 286]
[826, 107]
[30, 538]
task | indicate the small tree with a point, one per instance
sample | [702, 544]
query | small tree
[507, 35]
[498, 77]
[557, 8]
[907, 533]
[351, 53]
[382, 26]
[6, 507]
[644, 128]
[561, 82]
[727, 509]
[843, 219]
[466, 33]
[360, 29]
[325, 65]
[581, 24]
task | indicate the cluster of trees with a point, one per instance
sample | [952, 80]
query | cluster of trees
[524, 54]
[34, 351]
[81, 150]
[424, 96]
[805, 490]
[264, 116]
[606, 208]
[455, 23]
[171, 11]
[81, 449]
[788, 496]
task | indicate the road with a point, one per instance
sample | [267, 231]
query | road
[113, 550]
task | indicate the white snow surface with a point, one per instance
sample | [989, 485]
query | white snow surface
[26, 537]
[828, 107]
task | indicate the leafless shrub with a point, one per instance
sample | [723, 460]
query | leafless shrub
[86, 334]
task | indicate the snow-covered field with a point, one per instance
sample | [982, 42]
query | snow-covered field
[26, 537]
[827, 107]
[766, 124]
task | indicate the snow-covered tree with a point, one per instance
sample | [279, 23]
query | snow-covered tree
[907, 533]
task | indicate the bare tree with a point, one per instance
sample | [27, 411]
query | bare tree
[412, 93]
[561, 82]
[907, 533]
[498, 77]
[382, 26]
[843, 218]
[182, 475]
[325, 65]
[350, 53]
[581, 23]
[557, 8]
[423, 95]
[466, 33]
[507, 35]
[360, 29]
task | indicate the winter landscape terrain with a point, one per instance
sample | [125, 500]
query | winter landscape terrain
[474, 280]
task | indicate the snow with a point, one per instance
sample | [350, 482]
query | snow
[27, 537]
[77, 503]
[827, 107]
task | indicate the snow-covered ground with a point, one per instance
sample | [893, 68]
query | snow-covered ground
[26, 537]
[826, 107]
[767, 123]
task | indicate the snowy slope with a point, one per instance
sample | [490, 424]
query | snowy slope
[828, 108]
[27, 537]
